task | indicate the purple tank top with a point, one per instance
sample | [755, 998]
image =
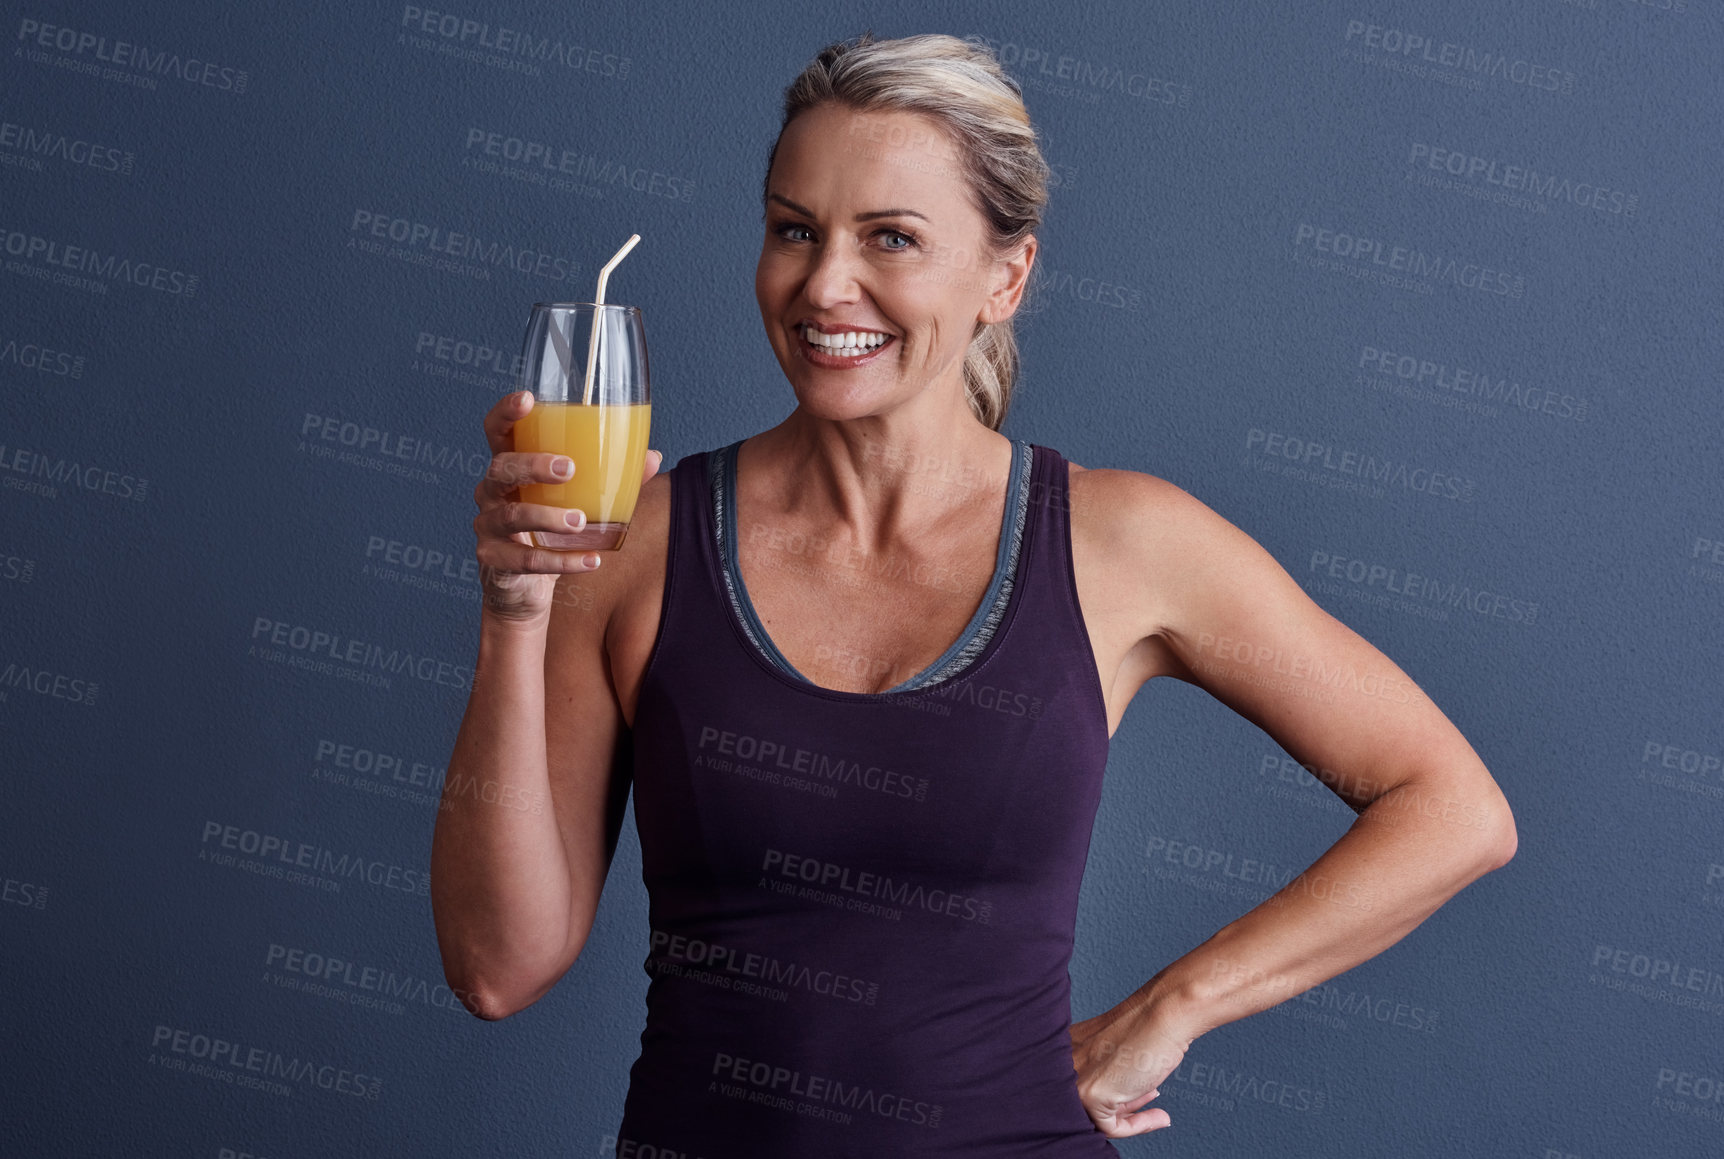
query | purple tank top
[862, 904]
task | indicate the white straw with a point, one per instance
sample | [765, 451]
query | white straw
[598, 312]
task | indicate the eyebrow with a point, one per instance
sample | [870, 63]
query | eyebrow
[869, 216]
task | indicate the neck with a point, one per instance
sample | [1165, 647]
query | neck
[883, 477]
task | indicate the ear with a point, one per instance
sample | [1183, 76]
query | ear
[1011, 278]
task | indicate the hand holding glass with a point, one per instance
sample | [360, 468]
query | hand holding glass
[599, 419]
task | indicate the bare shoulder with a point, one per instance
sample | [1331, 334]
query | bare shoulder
[616, 608]
[1148, 524]
[606, 589]
[1153, 552]
[649, 528]
[1113, 499]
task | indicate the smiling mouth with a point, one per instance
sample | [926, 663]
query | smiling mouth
[844, 347]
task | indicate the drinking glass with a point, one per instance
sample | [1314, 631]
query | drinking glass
[598, 417]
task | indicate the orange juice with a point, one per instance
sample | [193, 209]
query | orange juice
[608, 445]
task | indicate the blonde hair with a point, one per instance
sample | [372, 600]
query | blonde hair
[961, 86]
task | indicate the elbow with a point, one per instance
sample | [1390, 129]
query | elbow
[492, 986]
[489, 1007]
[493, 1011]
[494, 997]
[475, 987]
[480, 1001]
[1503, 840]
[488, 1003]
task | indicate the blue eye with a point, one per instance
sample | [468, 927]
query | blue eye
[904, 241]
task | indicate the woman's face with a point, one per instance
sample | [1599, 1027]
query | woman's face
[872, 240]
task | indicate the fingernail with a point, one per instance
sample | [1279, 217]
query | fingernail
[562, 468]
[576, 519]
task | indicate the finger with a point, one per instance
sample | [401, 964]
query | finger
[509, 469]
[1145, 1118]
[508, 555]
[654, 460]
[1140, 1122]
[500, 420]
[511, 517]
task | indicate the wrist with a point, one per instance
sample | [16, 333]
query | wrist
[495, 624]
[1175, 1002]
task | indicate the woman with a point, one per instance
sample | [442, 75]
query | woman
[862, 669]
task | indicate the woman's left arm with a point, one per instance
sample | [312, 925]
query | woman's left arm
[1218, 611]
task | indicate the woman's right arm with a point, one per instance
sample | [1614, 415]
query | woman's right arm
[517, 869]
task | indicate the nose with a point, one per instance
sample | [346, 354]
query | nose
[833, 279]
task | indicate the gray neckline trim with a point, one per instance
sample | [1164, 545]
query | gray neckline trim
[976, 634]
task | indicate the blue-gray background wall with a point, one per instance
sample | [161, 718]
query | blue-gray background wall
[242, 389]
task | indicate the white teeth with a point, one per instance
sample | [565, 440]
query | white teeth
[848, 344]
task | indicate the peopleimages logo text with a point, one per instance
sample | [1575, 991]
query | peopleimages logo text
[412, 234]
[1328, 457]
[43, 142]
[360, 653]
[512, 42]
[30, 247]
[123, 54]
[306, 855]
